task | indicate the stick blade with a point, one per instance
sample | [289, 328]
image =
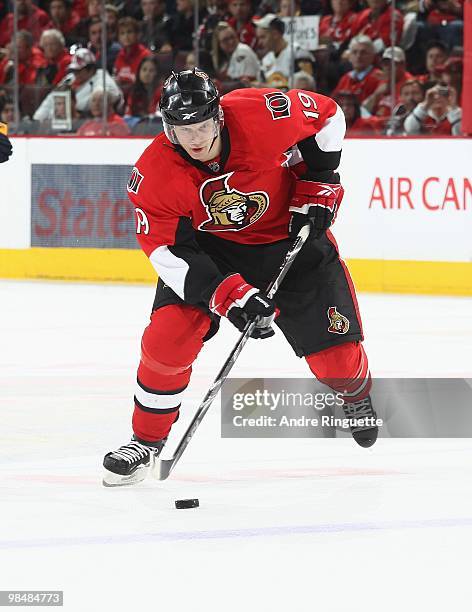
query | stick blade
[163, 468]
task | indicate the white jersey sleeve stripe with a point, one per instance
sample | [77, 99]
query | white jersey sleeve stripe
[171, 269]
[330, 137]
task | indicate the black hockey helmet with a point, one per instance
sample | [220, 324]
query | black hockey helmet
[188, 97]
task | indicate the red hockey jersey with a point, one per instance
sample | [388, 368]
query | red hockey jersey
[243, 197]
[337, 31]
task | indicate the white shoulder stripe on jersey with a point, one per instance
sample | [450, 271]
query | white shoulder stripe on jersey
[173, 270]
[330, 137]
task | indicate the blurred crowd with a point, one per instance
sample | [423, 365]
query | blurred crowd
[394, 69]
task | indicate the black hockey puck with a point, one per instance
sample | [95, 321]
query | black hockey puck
[186, 503]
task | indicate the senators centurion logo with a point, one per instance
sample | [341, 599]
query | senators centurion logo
[229, 209]
[338, 323]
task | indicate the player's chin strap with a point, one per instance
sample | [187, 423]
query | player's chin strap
[163, 467]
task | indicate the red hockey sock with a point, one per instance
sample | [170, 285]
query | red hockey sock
[344, 368]
[169, 346]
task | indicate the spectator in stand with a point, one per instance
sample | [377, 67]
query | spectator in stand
[355, 124]
[205, 63]
[30, 18]
[336, 29]
[411, 94]
[132, 52]
[30, 60]
[276, 53]
[380, 101]
[285, 8]
[180, 26]
[57, 58]
[217, 12]
[451, 74]
[93, 10]
[364, 78]
[153, 27]
[442, 19]
[112, 17]
[5, 67]
[145, 93]
[80, 7]
[7, 110]
[115, 125]
[241, 21]
[94, 43]
[375, 22]
[85, 79]
[438, 114]
[64, 19]
[232, 59]
[436, 55]
[303, 80]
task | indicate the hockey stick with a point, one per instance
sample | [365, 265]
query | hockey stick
[165, 466]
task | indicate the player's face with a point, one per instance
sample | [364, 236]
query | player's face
[198, 140]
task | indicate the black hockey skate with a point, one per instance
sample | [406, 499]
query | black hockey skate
[131, 463]
[364, 435]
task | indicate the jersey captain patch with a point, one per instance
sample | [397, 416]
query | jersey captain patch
[229, 209]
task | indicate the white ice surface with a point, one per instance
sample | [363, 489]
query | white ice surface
[284, 525]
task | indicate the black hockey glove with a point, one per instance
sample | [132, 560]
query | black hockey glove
[319, 202]
[5, 148]
[239, 302]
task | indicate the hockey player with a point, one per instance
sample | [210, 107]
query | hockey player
[219, 197]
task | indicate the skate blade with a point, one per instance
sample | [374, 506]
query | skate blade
[118, 480]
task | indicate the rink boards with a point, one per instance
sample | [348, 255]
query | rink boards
[405, 224]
